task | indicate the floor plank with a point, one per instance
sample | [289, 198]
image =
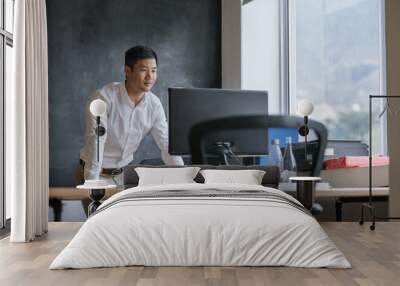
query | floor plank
[375, 257]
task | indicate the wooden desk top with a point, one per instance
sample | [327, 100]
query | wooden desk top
[349, 192]
[70, 193]
[352, 192]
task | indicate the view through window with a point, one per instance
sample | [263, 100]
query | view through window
[336, 62]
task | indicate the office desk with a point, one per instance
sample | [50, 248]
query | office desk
[353, 195]
[341, 195]
[57, 194]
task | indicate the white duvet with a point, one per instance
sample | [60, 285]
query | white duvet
[200, 231]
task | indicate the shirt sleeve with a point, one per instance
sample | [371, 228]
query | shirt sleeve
[92, 168]
[159, 131]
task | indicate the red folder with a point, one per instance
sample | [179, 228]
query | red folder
[355, 161]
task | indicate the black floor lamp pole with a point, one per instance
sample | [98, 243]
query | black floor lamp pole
[98, 137]
[305, 138]
[369, 205]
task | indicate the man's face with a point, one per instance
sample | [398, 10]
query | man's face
[142, 76]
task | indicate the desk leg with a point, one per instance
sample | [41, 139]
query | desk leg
[338, 208]
[95, 196]
[56, 204]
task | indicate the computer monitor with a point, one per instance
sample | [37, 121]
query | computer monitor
[189, 106]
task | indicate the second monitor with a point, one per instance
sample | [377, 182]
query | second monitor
[190, 106]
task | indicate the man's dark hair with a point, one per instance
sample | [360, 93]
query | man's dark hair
[138, 53]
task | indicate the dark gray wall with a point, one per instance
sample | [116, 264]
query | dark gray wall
[87, 40]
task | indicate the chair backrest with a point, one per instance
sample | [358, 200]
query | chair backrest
[200, 131]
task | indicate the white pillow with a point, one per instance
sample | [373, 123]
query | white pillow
[163, 176]
[248, 177]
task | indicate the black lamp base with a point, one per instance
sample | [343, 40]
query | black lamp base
[304, 130]
[100, 130]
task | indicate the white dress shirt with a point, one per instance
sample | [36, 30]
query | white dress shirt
[126, 125]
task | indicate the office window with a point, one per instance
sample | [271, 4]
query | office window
[8, 89]
[9, 15]
[335, 60]
[7, 62]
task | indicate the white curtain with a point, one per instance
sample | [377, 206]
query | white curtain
[27, 124]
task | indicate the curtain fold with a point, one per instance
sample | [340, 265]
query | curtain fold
[28, 158]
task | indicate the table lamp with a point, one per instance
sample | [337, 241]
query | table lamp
[305, 108]
[97, 188]
[98, 108]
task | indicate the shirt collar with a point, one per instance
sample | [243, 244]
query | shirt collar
[128, 100]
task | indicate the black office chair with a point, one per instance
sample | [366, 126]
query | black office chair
[199, 132]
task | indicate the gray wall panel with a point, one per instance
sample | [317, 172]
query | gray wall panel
[87, 41]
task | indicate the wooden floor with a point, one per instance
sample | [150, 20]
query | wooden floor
[374, 255]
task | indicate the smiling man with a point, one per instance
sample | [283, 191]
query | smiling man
[133, 111]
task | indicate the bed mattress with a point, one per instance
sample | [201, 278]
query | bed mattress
[201, 225]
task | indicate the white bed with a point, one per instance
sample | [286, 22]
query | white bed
[185, 230]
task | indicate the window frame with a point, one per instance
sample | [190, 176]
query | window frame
[6, 39]
[289, 63]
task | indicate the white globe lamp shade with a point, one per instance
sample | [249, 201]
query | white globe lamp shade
[98, 107]
[305, 107]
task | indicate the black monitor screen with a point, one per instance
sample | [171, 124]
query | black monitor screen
[190, 106]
